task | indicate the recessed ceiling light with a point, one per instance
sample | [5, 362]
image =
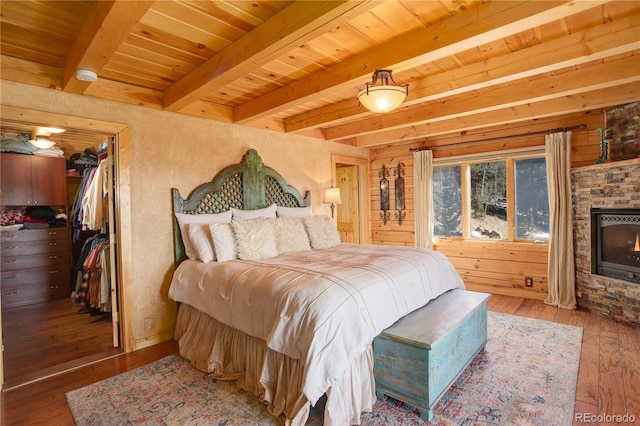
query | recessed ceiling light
[86, 75]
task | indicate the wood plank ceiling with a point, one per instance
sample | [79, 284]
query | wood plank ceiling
[296, 66]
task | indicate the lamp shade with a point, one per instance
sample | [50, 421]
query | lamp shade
[332, 196]
[42, 142]
[382, 98]
[40, 136]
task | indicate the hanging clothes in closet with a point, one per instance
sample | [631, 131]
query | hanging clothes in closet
[93, 286]
[90, 241]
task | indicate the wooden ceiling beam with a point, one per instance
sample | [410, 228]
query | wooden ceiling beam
[106, 27]
[609, 39]
[485, 23]
[506, 133]
[585, 101]
[44, 118]
[607, 74]
[294, 25]
[209, 110]
[125, 93]
[28, 72]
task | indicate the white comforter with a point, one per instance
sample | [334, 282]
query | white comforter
[323, 307]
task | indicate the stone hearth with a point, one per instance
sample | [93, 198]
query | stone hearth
[608, 185]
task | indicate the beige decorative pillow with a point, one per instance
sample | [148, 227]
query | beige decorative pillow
[224, 241]
[185, 219]
[293, 211]
[265, 213]
[201, 241]
[256, 239]
[322, 231]
[291, 235]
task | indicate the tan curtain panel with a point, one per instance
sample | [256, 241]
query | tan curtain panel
[423, 198]
[561, 270]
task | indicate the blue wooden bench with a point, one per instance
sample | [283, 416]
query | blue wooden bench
[418, 358]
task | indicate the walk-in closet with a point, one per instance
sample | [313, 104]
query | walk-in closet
[58, 285]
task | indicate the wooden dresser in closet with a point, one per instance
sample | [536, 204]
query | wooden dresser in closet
[34, 263]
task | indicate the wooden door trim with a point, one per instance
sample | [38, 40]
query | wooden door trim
[363, 189]
[123, 198]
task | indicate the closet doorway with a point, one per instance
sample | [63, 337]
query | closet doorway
[350, 175]
[50, 337]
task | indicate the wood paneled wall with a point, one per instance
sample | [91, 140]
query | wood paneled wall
[493, 266]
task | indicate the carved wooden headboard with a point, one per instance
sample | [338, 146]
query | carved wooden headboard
[248, 185]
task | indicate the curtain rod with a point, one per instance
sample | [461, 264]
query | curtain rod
[560, 129]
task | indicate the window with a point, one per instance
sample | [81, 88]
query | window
[488, 194]
[498, 197]
[532, 200]
[447, 201]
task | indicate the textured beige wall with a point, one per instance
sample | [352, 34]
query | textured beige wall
[172, 150]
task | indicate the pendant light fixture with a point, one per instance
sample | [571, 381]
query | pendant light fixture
[385, 97]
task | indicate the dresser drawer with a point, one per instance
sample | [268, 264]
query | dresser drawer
[61, 233]
[55, 272]
[34, 265]
[25, 248]
[33, 292]
[24, 286]
[12, 263]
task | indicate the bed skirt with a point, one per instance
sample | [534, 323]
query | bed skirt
[229, 354]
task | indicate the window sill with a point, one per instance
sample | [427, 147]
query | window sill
[491, 243]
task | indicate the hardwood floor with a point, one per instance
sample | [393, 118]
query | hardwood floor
[609, 372]
[46, 338]
[608, 378]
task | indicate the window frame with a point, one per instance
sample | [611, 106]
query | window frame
[464, 161]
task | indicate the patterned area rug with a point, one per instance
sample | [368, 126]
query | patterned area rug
[526, 376]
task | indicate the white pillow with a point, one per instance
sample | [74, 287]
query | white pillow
[185, 219]
[265, 213]
[294, 211]
[224, 241]
[291, 235]
[201, 240]
[322, 231]
[256, 239]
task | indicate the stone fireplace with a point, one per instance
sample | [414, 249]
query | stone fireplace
[613, 189]
[615, 243]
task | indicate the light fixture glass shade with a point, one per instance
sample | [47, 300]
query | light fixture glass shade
[382, 98]
[42, 143]
[53, 129]
[332, 196]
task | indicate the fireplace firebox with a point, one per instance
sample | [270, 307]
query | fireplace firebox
[616, 243]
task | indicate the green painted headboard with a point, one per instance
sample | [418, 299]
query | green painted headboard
[248, 185]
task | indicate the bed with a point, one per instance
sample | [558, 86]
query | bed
[270, 297]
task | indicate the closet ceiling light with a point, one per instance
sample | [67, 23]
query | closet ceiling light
[44, 131]
[40, 136]
[53, 129]
[42, 142]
